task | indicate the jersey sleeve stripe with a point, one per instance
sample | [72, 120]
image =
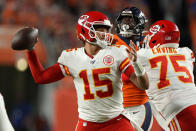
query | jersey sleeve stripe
[129, 71]
[193, 57]
[124, 63]
[125, 68]
[65, 70]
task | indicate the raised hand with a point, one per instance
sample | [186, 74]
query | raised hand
[132, 51]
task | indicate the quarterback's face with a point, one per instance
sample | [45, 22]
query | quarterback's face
[102, 35]
[101, 29]
[101, 32]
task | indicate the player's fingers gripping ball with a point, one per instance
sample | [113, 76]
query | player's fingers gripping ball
[25, 38]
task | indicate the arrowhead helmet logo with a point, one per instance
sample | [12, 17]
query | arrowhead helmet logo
[155, 29]
[82, 19]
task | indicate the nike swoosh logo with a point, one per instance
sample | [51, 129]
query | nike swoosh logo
[136, 112]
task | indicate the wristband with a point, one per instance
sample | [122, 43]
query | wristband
[139, 69]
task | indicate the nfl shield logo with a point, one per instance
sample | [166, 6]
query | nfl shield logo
[108, 60]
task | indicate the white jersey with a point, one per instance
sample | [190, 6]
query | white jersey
[5, 124]
[97, 81]
[170, 73]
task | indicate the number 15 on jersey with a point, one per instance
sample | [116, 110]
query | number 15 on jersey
[97, 83]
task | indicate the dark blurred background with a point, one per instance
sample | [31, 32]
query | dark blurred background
[33, 107]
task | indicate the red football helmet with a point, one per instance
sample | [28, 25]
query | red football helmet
[163, 33]
[86, 31]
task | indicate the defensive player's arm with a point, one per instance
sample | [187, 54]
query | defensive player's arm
[40, 75]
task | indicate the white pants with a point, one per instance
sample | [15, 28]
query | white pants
[5, 124]
[141, 115]
[161, 121]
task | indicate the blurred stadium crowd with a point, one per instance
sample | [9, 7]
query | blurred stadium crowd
[56, 21]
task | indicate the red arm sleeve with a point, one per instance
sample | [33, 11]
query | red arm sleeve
[40, 75]
[129, 71]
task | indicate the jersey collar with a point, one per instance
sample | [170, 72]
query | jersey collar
[88, 54]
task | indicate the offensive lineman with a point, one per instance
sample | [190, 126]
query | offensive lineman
[170, 69]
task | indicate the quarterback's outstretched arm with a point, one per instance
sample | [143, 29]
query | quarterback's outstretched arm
[40, 75]
[26, 38]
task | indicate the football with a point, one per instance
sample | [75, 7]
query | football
[25, 38]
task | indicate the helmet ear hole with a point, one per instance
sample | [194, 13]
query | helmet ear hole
[154, 41]
[83, 31]
[163, 26]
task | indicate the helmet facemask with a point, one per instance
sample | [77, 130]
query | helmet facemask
[101, 38]
[133, 26]
[126, 26]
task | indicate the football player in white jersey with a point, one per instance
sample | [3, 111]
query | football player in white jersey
[172, 89]
[96, 69]
[5, 124]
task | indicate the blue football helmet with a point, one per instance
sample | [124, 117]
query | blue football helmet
[134, 26]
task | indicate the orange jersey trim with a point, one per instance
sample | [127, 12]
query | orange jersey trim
[66, 70]
[132, 95]
[192, 55]
[118, 41]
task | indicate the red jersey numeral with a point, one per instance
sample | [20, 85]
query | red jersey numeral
[88, 95]
[97, 82]
[178, 68]
[163, 70]
[163, 81]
